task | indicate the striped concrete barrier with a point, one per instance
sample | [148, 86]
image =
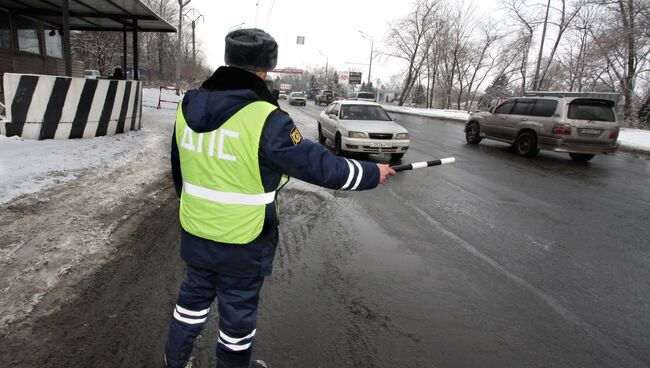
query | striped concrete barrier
[51, 107]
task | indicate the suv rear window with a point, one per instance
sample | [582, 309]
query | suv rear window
[365, 95]
[544, 108]
[598, 110]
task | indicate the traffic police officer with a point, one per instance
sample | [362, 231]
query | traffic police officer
[232, 150]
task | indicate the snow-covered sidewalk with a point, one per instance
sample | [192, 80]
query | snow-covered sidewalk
[631, 139]
[28, 166]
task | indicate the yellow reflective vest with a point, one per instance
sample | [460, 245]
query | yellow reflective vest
[223, 197]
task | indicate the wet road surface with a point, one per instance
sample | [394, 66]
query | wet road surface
[495, 261]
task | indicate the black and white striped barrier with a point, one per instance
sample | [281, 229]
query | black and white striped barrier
[51, 107]
[423, 164]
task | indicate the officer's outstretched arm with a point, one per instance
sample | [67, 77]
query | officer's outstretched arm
[283, 150]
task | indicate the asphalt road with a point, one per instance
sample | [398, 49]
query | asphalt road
[494, 261]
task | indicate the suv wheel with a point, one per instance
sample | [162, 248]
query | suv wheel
[472, 133]
[321, 137]
[338, 149]
[581, 157]
[526, 144]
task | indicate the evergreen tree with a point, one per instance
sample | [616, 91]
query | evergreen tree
[420, 95]
[498, 88]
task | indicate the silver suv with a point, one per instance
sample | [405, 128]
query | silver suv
[581, 126]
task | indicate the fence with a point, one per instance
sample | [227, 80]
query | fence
[168, 96]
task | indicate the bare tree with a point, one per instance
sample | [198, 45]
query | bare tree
[622, 44]
[524, 13]
[483, 63]
[406, 40]
[99, 50]
[565, 21]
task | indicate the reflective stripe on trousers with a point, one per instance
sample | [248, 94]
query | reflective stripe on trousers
[237, 305]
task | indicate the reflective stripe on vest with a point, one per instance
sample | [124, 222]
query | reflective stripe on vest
[223, 197]
[228, 197]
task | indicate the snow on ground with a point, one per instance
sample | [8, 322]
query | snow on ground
[432, 113]
[634, 139]
[28, 166]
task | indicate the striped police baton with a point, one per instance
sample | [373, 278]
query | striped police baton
[423, 164]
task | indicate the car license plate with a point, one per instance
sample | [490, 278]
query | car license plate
[590, 131]
[380, 145]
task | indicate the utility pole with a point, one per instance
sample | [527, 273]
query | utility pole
[181, 5]
[541, 50]
[199, 16]
[372, 48]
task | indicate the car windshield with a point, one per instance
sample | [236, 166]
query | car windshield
[363, 112]
[298, 94]
[591, 110]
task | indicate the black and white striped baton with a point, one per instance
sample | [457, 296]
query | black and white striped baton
[423, 164]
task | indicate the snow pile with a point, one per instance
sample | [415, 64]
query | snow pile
[432, 113]
[636, 139]
[28, 166]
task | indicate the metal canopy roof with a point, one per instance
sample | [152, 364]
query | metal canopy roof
[92, 15]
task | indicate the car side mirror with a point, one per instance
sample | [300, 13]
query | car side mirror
[491, 110]
[334, 116]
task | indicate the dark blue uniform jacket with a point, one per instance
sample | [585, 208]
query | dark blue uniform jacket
[206, 109]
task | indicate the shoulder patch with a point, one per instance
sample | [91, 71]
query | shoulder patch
[296, 137]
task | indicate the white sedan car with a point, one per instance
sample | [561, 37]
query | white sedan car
[297, 98]
[359, 126]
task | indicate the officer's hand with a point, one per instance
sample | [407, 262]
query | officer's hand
[384, 172]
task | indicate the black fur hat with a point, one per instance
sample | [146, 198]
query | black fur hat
[251, 49]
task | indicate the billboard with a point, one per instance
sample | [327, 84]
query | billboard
[285, 87]
[355, 78]
[344, 77]
[350, 78]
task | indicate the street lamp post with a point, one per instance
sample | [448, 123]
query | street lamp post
[372, 48]
[327, 60]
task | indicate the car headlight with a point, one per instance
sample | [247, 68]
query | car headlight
[402, 136]
[356, 135]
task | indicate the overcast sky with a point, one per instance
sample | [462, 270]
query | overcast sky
[330, 27]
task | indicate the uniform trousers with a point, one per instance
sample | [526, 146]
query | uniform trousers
[237, 306]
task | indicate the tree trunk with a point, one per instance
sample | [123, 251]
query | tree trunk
[628, 29]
